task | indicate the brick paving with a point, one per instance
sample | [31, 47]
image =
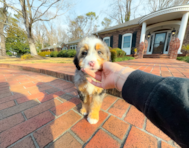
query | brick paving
[37, 110]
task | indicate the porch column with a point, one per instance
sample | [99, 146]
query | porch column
[182, 29]
[143, 32]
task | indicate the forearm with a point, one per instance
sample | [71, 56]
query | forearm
[165, 101]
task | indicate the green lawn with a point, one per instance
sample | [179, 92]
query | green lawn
[119, 59]
[186, 59]
[49, 60]
[46, 60]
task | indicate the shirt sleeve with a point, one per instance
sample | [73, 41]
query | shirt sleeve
[165, 101]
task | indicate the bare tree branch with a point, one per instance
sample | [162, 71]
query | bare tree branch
[12, 7]
[38, 8]
[47, 10]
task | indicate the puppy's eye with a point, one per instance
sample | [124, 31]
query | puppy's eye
[84, 53]
[99, 52]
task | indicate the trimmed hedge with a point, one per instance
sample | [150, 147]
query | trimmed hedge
[44, 53]
[67, 53]
[116, 52]
[54, 54]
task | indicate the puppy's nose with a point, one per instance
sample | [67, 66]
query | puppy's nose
[92, 63]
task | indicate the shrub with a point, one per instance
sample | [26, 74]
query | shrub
[26, 56]
[120, 52]
[44, 53]
[113, 55]
[185, 49]
[71, 53]
[62, 53]
[54, 54]
[9, 53]
[67, 53]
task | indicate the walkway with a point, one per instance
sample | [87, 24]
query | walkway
[161, 67]
[37, 110]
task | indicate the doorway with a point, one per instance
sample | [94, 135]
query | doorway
[159, 43]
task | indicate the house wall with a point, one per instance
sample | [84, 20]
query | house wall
[116, 35]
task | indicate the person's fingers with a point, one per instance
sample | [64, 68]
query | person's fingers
[95, 83]
[96, 75]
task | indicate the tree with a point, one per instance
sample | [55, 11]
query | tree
[106, 22]
[82, 25]
[155, 5]
[16, 39]
[3, 19]
[120, 11]
[31, 13]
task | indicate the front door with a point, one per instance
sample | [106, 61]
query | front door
[126, 43]
[159, 43]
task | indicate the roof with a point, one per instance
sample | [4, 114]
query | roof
[129, 23]
[74, 41]
[58, 45]
[155, 17]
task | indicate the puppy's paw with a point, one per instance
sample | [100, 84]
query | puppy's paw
[83, 112]
[92, 121]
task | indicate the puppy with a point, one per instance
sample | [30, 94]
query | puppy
[91, 53]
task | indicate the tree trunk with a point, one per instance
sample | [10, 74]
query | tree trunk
[2, 45]
[32, 46]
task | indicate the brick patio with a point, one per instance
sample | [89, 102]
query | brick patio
[38, 110]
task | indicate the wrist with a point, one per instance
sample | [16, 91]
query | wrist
[121, 76]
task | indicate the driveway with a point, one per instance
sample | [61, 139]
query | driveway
[37, 110]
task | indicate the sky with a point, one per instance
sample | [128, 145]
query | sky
[81, 7]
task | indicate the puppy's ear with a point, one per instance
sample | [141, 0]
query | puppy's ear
[76, 62]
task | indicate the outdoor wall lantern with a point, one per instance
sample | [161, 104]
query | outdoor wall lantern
[149, 35]
[173, 31]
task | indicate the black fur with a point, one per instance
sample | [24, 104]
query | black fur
[103, 91]
[81, 95]
[76, 62]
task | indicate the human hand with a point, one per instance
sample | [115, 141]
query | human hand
[112, 76]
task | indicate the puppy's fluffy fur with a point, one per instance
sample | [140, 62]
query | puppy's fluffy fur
[90, 49]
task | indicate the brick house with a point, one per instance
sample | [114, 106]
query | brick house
[58, 47]
[158, 28]
[73, 44]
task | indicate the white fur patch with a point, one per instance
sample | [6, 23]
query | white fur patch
[92, 121]
[90, 88]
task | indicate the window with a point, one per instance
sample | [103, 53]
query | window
[107, 41]
[127, 41]
[64, 48]
[73, 47]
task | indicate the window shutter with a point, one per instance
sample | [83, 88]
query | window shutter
[120, 41]
[111, 41]
[134, 39]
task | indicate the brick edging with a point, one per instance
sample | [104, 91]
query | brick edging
[59, 75]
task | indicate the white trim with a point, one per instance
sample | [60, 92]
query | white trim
[182, 29]
[127, 50]
[152, 46]
[184, 8]
[163, 24]
[143, 32]
[105, 38]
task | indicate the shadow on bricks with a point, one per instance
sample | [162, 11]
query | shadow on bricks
[34, 113]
